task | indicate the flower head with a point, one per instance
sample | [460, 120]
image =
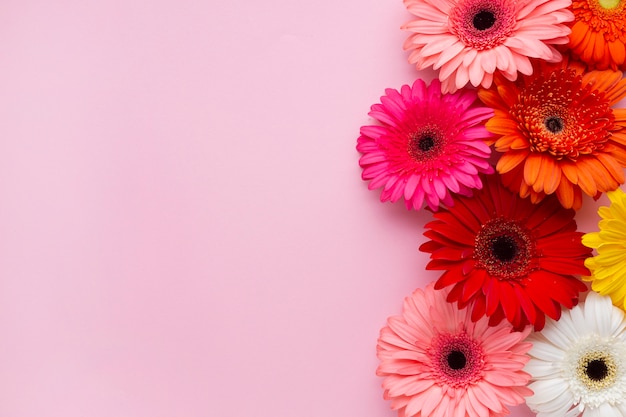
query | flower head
[608, 267]
[426, 146]
[512, 259]
[439, 363]
[558, 132]
[470, 40]
[578, 364]
[598, 35]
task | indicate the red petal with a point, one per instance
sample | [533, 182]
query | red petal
[563, 245]
[473, 284]
[564, 266]
[545, 304]
[479, 308]
[450, 277]
[509, 301]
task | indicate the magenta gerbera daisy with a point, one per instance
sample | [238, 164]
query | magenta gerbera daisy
[426, 145]
[437, 362]
[469, 40]
[508, 257]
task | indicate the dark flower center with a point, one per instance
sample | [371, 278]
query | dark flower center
[456, 360]
[484, 20]
[562, 117]
[425, 144]
[504, 248]
[554, 124]
[597, 370]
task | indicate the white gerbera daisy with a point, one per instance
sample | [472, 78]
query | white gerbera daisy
[578, 364]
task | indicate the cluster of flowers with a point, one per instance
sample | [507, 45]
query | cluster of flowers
[501, 148]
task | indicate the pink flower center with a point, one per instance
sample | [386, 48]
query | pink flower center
[458, 360]
[482, 24]
[504, 248]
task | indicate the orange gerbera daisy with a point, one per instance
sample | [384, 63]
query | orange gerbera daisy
[598, 35]
[558, 132]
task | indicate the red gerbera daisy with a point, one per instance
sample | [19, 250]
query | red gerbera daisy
[512, 258]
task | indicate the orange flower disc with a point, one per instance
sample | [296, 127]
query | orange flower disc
[558, 132]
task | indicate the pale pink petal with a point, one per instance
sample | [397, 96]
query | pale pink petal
[448, 54]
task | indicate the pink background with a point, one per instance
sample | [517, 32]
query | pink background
[183, 228]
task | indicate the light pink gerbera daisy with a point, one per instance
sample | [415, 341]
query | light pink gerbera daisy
[469, 40]
[427, 144]
[437, 362]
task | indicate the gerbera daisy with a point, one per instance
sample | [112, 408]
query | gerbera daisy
[578, 364]
[426, 145]
[558, 132]
[472, 39]
[598, 35]
[438, 363]
[608, 267]
[511, 258]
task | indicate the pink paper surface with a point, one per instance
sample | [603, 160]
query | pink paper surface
[183, 227]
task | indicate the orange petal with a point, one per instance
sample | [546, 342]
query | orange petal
[508, 94]
[602, 178]
[586, 181]
[588, 46]
[618, 51]
[531, 168]
[602, 80]
[551, 174]
[565, 193]
[570, 171]
[501, 125]
[618, 91]
[620, 115]
[612, 167]
[510, 160]
[579, 30]
[490, 98]
[599, 48]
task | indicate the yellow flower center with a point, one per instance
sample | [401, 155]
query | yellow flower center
[609, 4]
[596, 370]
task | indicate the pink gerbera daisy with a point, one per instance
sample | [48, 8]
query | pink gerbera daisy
[471, 39]
[427, 145]
[437, 362]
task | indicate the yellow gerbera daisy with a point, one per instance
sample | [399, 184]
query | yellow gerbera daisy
[608, 267]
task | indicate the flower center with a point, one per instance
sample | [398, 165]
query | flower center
[608, 4]
[504, 248]
[560, 116]
[483, 20]
[482, 24]
[425, 144]
[458, 360]
[554, 124]
[596, 370]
